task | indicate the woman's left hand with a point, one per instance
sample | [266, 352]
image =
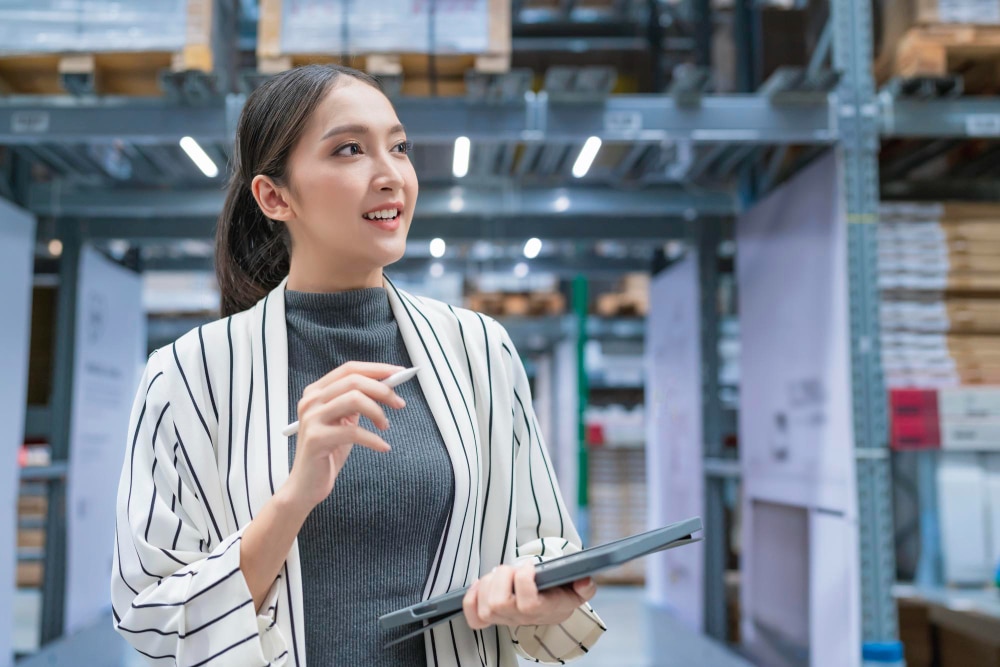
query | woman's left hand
[508, 596]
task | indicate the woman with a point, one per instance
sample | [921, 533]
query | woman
[237, 546]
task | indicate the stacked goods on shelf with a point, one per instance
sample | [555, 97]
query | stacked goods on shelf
[939, 271]
[430, 45]
[935, 38]
[32, 507]
[616, 426]
[517, 304]
[954, 419]
[618, 504]
[616, 434]
[103, 46]
[509, 296]
[631, 298]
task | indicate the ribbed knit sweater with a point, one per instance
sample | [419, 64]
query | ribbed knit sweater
[367, 549]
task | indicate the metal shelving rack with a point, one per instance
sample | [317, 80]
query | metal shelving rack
[743, 127]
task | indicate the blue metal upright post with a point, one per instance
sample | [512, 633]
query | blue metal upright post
[857, 113]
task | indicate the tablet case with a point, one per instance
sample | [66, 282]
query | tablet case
[556, 572]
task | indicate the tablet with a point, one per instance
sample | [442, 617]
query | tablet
[562, 570]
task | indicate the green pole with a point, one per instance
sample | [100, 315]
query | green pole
[580, 310]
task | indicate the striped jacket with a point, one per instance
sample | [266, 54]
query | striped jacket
[205, 452]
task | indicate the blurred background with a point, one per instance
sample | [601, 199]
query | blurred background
[749, 251]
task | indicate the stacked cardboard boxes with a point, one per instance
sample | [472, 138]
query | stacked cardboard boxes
[618, 504]
[939, 271]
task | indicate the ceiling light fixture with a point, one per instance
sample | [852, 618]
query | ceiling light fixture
[199, 157]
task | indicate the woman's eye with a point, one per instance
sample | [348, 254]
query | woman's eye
[349, 149]
[404, 147]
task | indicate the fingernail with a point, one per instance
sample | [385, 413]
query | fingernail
[475, 585]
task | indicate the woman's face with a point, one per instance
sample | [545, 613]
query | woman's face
[352, 188]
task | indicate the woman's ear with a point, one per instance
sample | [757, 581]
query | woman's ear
[272, 200]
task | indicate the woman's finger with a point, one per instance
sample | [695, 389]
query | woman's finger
[368, 369]
[352, 403]
[374, 389]
[585, 588]
[470, 605]
[526, 597]
[326, 438]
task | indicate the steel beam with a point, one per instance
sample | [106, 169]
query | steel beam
[650, 117]
[565, 266]
[455, 202]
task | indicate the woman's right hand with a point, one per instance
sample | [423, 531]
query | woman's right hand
[329, 413]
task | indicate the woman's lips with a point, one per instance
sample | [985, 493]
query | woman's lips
[386, 224]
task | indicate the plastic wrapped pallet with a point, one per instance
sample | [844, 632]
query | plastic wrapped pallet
[53, 26]
[388, 26]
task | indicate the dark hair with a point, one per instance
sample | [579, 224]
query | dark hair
[252, 251]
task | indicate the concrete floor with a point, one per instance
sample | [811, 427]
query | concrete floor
[638, 636]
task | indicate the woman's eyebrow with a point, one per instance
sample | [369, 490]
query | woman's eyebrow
[358, 129]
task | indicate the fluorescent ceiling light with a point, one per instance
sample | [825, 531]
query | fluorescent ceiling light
[199, 157]
[438, 246]
[532, 248]
[586, 157]
[460, 164]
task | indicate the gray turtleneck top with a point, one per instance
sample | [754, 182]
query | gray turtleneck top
[368, 548]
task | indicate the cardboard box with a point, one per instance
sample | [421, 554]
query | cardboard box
[969, 402]
[962, 507]
[958, 434]
[966, 639]
[915, 632]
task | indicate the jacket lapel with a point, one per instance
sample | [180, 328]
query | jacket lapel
[269, 337]
[443, 380]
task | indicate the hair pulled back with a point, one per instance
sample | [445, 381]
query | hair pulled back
[252, 251]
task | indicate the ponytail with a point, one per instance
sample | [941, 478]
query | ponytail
[251, 251]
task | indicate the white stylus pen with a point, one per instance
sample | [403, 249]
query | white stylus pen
[393, 380]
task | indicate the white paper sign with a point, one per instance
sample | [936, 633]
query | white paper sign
[674, 451]
[17, 240]
[796, 429]
[796, 435]
[110, 344]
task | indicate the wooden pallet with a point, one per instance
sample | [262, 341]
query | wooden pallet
[517, 304]
[112, 73]
[418, 74]
[943, 50]
[622, 304]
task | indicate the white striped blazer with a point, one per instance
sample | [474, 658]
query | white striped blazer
[205, 452]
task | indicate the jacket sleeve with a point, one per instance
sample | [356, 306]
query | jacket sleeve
[178, 594]
[545, 529]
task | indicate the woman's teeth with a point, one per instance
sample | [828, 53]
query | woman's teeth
[386, 214]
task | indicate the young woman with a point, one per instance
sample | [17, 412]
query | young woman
[238, 546]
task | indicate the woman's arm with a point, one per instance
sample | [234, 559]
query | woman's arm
[267, 541]
[176, 588]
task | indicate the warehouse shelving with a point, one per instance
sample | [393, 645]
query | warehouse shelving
[735, 131]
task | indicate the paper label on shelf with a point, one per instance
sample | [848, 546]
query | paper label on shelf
[29, 122]
[983, 12]
[622, 121]
[982, 125]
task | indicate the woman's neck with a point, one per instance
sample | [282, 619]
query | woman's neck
[302, 279]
